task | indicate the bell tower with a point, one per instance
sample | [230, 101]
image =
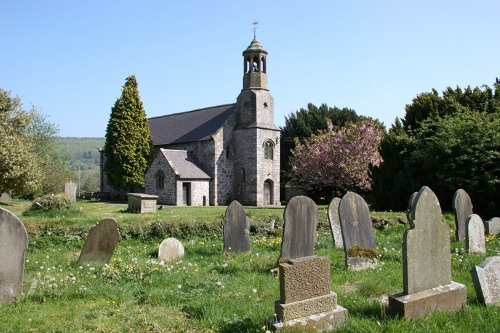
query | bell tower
[256, 138]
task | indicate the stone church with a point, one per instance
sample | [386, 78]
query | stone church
[217, 154]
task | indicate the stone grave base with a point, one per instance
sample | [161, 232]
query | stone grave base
[325, 321]
[450, 297]
[359, 263]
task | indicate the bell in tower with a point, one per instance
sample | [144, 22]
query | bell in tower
[255, 74]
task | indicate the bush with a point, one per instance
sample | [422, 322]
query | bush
[50, 202]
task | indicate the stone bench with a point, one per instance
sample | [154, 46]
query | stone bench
[142, 203]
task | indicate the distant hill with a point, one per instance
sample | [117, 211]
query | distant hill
[81, 152]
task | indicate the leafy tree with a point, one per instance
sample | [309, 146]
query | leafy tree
[19, 172]
[455, 145]
[337, 160]
[128, 147]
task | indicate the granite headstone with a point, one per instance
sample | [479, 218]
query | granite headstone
[474, 235]
[462, 205]
[101, 242]
[334, 219]
[236, 229]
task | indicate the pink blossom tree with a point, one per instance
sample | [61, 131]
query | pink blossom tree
[337, 160]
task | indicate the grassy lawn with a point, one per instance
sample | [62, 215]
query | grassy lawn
[206, 291]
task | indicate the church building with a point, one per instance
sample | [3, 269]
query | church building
[217, 154]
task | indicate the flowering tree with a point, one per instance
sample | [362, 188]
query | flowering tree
[338, 159]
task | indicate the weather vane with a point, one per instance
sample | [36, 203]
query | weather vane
[254, 27]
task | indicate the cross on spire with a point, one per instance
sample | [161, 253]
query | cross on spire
[254, 27]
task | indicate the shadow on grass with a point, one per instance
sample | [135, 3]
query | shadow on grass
[239, 326]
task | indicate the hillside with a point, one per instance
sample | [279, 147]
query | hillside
[81, 152]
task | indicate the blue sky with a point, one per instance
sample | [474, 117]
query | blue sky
[70, 59]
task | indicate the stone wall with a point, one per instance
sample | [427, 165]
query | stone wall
[167, 194]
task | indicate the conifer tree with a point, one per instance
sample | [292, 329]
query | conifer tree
[128, 147]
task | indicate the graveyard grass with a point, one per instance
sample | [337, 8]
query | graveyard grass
[207, 291]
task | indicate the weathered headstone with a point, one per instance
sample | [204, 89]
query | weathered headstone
[334, 219]
[410, 204]
[357, 232]
[236, 229]
[492, 226]
[101, 242]
[5, 197]
[486, 279]
[70, 190]
[170, 249]
[13, 245]
[427, 285]
[474, 235]
[299, 229]
[306, 301]
[462, 205]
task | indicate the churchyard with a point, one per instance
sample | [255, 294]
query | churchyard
[211, 289]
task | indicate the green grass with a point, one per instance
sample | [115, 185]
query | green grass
[206, 291]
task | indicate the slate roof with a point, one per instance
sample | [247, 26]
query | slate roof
[196, 125]
[184, 164]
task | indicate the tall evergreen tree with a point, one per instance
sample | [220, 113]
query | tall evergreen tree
[128, 147]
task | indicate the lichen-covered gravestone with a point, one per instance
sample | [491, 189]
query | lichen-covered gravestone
[486, 279]
[236, 229]
[101, 242]
[334, 219]
[357, 232]
[462, 205]
[70, 190]
[492, 226]
[474, 235]
[13, 245]
[306, 302]
[170, 249]
[427, 285]
[299, 229]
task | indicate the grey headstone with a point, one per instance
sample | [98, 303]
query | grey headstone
[13, 245]
[357, 231]
[236, 229]
[334, 219]
[299, 230]
[101, 242]
[474, 235]
[5, 197]
[410, 204]
[462, 205]
[426, 246]
[170, 249]
[70, 190]
[492, 226]
[486, 279]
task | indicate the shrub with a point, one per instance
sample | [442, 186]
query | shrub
[49, 202]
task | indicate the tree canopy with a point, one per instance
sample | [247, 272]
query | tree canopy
[128, 147]
[445, 142]
[337, 160]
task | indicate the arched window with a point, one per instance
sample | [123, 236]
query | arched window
[160, 179]
[268, 150]
[229, 151]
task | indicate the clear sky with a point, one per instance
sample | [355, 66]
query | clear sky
[70, 59]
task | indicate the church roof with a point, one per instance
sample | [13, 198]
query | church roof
[184, 164]
[196, 125]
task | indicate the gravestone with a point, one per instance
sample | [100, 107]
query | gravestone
[486, 279]
[5, 197]
[410, 204]
[474, 235]
[299, 228]
[462, 205]
[306, 301]
[492, 226]
[427, 285]
[13, 245]
[101, 242]
[334, 219]
[357, 232]
[70, 190]
[236, 229]
[170, 249]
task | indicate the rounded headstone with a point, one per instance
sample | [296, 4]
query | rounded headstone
[170, 248]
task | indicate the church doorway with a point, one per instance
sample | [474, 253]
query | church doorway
[186, 194]
[268, 193]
